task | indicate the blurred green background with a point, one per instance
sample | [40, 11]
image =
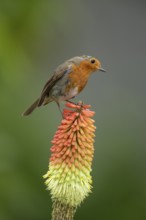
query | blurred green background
[35, 37]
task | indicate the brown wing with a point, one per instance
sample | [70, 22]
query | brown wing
[59, 73]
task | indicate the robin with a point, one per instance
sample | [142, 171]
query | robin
[68, 80]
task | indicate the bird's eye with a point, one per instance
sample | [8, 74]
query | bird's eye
[92, 61]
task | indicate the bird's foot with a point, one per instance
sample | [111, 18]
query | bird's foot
[80, 103]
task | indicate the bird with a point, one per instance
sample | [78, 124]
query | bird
[67, 81]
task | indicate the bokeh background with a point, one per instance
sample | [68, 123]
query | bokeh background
[35, 37]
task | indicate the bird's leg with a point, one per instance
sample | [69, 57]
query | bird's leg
[71, 101]
[59, 108]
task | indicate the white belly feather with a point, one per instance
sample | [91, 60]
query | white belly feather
[72, 92]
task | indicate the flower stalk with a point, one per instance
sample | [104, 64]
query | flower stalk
[68, 178]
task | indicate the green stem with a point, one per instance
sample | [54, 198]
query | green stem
[62, 211]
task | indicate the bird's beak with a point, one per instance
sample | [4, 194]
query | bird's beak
[102, 70]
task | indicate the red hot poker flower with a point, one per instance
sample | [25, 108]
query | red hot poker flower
[68, 177]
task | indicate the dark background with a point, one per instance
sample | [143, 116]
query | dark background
[35, 37]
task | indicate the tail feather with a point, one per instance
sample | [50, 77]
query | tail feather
[31, 108]
[37, 104]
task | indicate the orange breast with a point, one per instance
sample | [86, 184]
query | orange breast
[79, 76]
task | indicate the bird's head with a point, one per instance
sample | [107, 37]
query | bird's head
[92, 64]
